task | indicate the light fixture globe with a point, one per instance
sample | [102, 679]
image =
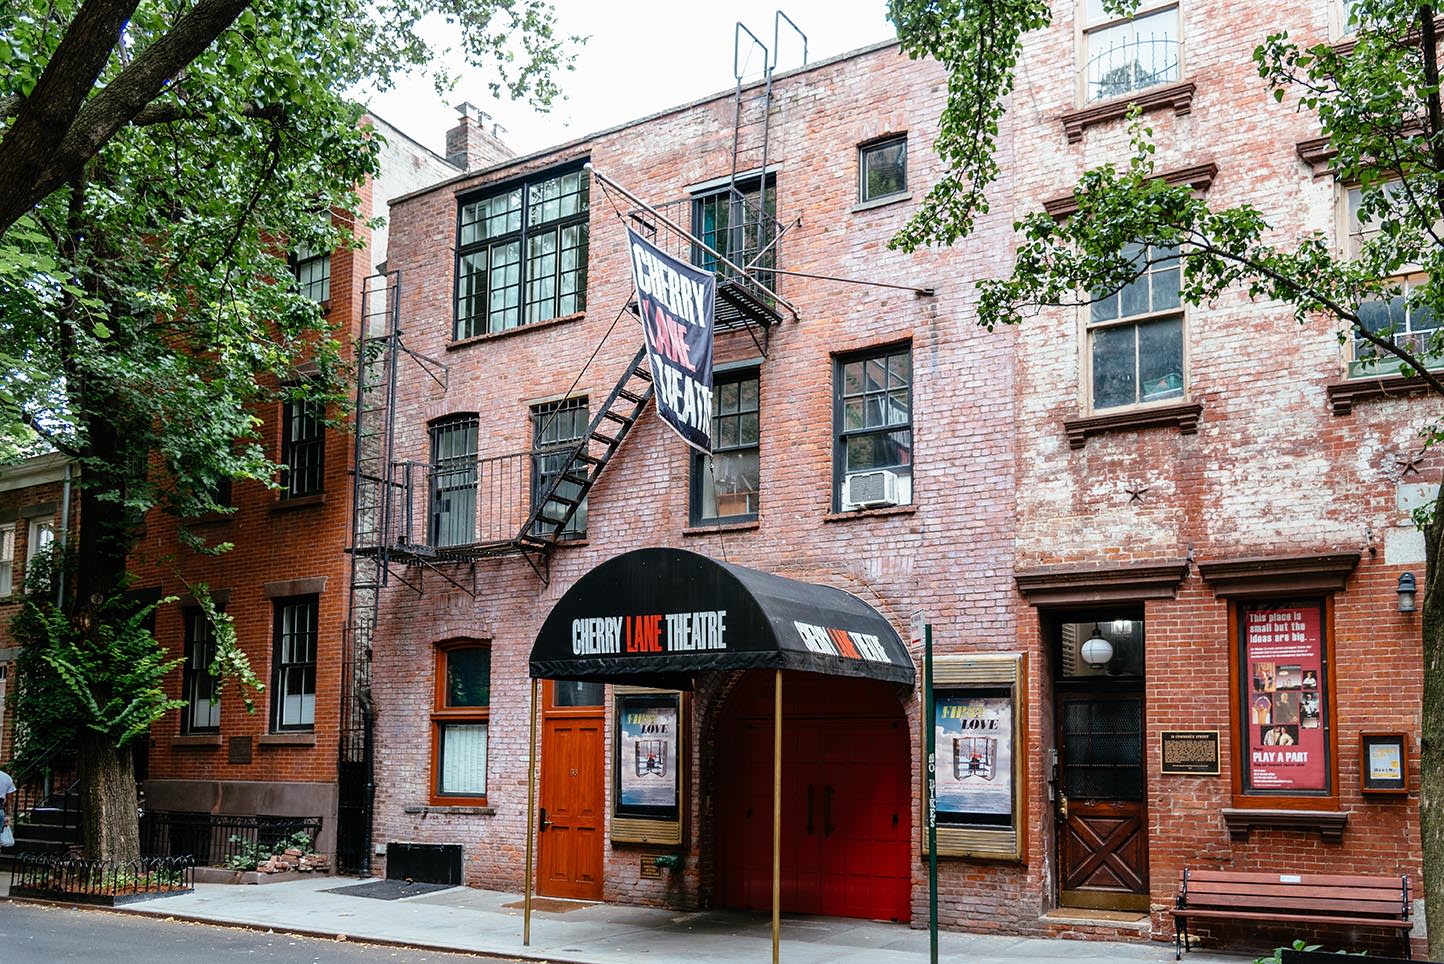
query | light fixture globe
[1096, 651]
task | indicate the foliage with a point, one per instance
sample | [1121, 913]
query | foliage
[1278, 955]
[250, 853]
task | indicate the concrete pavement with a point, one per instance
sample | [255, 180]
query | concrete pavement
[487, 922]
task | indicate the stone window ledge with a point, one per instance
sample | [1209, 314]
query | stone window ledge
[460, 811]
[1343, 395]
[705, 529]
[880, 202]
[870, 513]
[1178, 96]
[1329, 823]
[1200, 177]
[196, 740]
[287, 739]
[299, 502]
[518, 330]
[1184, 416]
[1079, 585]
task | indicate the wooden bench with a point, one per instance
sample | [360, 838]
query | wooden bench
[1364, 901]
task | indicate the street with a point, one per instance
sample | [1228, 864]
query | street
[36, 934]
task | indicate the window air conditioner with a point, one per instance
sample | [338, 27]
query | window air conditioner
[869, 490]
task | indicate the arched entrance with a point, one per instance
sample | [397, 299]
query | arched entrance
[846, 805]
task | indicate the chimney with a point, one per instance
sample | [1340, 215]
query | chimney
[470, 145]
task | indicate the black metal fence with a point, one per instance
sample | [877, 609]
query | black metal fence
[220, 840]
[104, 881]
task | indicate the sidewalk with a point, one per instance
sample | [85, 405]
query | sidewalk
[462, 919]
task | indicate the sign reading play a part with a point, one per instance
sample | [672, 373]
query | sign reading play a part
[678, 304]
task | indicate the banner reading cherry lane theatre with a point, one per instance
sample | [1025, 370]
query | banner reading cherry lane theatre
[678, 304]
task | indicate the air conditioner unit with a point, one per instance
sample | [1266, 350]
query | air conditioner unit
[869, 490]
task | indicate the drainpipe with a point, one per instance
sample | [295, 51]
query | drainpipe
[64, 535]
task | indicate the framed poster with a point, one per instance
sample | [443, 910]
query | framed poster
[1384, 767]
[1284, 700]
[646, 763]
[975, 746]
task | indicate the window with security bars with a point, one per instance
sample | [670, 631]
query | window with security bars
[303, 447]
[739, 225]
[557, 429]
[1126, 54]
[293, 664]
[202, 712]
[453, 482]
[872, 415]
[460, 720]
[1135, 333]
[313, 274]
[726, 484]
[522, 254]
[1104, 755]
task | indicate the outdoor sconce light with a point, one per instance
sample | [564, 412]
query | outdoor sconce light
[1406, 592]
[1096, 651]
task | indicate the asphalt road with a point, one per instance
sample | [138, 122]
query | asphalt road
[36, 934]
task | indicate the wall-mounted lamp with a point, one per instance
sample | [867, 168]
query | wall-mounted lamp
[1096, 651]
[1406, 592]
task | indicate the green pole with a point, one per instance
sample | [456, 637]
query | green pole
[930, 727]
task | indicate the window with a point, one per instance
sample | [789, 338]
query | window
[303, 447]
[1128, 54]
[882, 169]
[725, 484]
[557, 429]
[729, 221]
[1135, 334]
[459, 723]
[522, 254]
[38, 539]
[872, 415]
[202, 712]
[453, 481]
[1410, 325]
[313, 274]
[7, 559]
[293, 664]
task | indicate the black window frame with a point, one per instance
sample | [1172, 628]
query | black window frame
[284, 671]
[475, 324]
[197, 680]
[700, 467]
[841, 436]
[301, 259]
[454, 473]
[738, 240]
[552, 454]
[304, 458]
[864, 151]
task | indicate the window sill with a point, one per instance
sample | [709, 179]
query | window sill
[909, 509]
[518, 330]
[1178, 96]
[196, 741]
[478, 811]
[881, 202]
[1343, 395]
[1330, 824]
[299, 502]
[1185, 416]
[708, 529]
[210, 518]
[287, 739]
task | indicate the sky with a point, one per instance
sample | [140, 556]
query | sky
[641, 57]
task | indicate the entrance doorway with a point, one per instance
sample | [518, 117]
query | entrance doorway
[846, 823]
[1101, 791]
[573, 791]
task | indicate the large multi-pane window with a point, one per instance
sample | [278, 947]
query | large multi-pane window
[882, 168]
[460, 721]
[202, 712]
[872, 415]
[1122, 55]
[522, 254]
[7, 559]
[293, 664]
[1400, 317]
[313, 274]
[453, 481]
[1135, 333]
[738, 224]
[725, 485]
[303, 447]
[557, 429]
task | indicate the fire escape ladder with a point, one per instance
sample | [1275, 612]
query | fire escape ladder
[560, 497]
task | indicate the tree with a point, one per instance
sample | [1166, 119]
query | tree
[1378, 103]
[156, 158]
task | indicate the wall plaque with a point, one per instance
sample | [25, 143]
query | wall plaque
[1191, 752]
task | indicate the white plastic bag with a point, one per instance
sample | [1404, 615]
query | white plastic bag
[7, 839]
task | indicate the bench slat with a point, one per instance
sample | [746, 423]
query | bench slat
[1186, 913]
[1300, 904]
[1218, 888]
[1327, 880]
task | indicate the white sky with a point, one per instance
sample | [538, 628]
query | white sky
[642, 57]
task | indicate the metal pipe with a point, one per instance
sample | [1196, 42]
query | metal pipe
[776, 814]
[921, 292]
[530, 816]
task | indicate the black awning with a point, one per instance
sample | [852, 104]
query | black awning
[659, 616]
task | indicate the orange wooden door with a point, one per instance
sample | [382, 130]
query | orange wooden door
[572, 798]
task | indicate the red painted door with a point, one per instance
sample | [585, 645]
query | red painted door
[569, 836]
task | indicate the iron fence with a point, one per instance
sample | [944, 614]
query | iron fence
[217, 840]
[77, 878]
[462, 503]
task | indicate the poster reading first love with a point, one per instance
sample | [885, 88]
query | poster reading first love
[677, 303]
[1285, 697]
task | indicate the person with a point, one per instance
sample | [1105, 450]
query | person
[7, 787]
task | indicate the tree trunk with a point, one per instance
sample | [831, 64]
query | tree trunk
[1431, 736]
[108, 800]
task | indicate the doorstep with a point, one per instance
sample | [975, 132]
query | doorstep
[1117, 919]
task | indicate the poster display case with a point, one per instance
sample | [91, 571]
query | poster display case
[648, 766]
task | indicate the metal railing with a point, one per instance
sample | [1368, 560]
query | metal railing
[81, 879]
[481, 501]
[47, 792]
[215, 839]
[1134, 64]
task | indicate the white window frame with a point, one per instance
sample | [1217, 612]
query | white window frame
[1086, 30]
[40, 534]
[7, 559]
[1089, 326]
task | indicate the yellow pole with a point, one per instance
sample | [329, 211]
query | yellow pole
[530, 815]
[776, 814]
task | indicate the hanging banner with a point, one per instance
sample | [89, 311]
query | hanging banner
[1285, 699]
[677, 303]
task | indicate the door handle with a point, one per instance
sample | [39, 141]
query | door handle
[1062, 805]
[544, 822]
[810, 804]
[827, 826]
